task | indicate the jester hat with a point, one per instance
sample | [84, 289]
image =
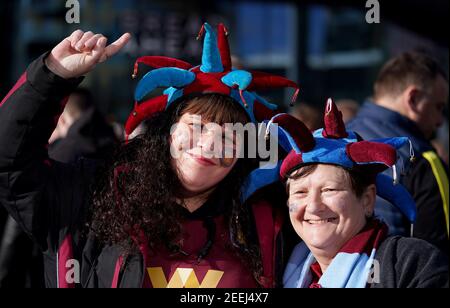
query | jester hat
[336, 146]
[214, 75]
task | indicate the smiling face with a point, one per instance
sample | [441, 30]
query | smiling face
[200, 143]
[200, 161]
[324, 209]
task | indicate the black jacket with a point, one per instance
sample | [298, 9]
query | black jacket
[409, 263]
[46, 198]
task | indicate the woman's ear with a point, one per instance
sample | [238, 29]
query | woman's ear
[368, 199]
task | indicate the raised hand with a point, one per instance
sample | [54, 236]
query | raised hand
[79, 53]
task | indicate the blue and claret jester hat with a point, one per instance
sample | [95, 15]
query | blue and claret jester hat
[335, 145]
[214, 75]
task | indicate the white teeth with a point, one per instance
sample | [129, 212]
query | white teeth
[319, 221]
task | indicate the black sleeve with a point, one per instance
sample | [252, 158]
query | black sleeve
[430, 224]
[38, 193]
[420, 265]
[411, 263]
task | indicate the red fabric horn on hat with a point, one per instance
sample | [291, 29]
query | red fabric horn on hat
[372, 152]
[302, 137]
[159, 61]
[143, 110]
[224, 47]
[334, 125]
[261, 112]
[291, 161]
[264, 81]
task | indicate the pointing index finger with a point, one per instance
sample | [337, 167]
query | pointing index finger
[115, 47]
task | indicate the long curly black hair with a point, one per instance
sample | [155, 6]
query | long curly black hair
[138, 188]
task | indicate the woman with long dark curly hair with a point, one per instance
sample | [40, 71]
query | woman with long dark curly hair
[167, 209]
[174, 206]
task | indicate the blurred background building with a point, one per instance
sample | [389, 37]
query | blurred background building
[327, 46]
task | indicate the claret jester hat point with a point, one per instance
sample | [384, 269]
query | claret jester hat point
[214, 75]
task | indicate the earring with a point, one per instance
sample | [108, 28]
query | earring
[226, 162]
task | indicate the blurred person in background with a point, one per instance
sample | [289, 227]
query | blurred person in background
[348, 107]
[82, 131]
[410, 94]
[309, 114]
[118, 128]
